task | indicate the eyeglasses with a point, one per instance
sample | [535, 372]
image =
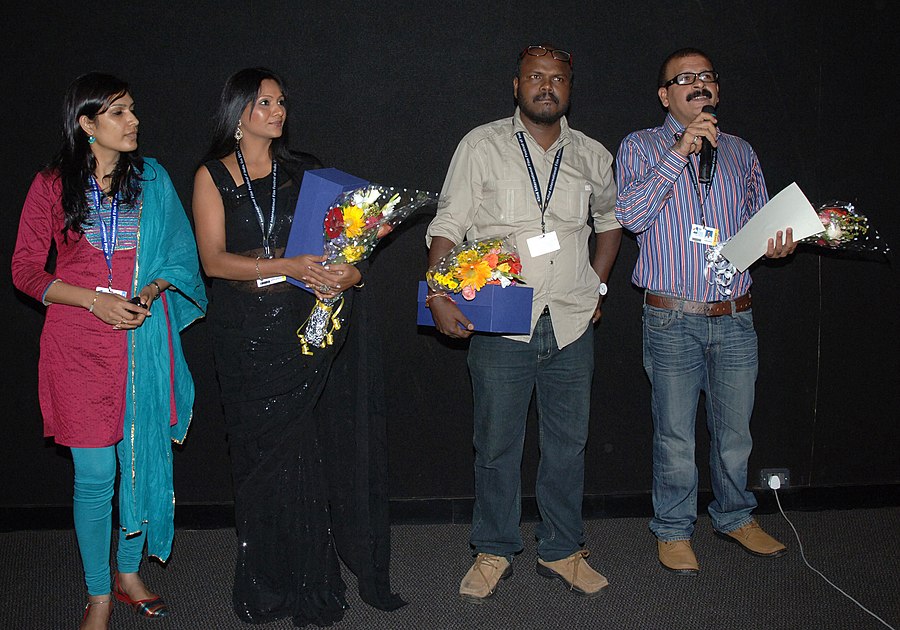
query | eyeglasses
[540, 51]
[687, 78]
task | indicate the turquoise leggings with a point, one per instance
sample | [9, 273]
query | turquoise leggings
[95, 475]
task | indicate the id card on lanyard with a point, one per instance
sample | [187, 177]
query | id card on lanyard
[109, 236]
[266, 230]
[546, 242]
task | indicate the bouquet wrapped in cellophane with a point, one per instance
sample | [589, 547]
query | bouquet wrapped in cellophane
[472, 264]
[354, 224]
[846, 230]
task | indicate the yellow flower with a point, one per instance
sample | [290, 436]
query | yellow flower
[353, 221]
[353, 253]
[467, 257]
[474, 274]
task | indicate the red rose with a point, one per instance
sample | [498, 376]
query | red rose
[334, 222]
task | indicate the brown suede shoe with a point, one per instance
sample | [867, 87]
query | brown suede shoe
[678, 557]
[754, 540]
[575, 572]
[481, 581]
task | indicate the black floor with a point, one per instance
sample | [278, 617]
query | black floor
[859, 550]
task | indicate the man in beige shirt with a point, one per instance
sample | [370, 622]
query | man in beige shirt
[534, 177]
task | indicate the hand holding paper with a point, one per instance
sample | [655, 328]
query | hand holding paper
[789, 208]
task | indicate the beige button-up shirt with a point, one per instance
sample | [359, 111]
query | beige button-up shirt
[488, 193]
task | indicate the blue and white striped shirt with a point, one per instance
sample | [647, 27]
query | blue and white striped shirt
[657, 201]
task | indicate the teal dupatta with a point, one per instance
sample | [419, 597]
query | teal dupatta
[159, 394]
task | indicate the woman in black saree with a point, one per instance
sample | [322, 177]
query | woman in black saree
[306, 433]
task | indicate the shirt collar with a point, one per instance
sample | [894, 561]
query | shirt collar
[672, 126]
[565, 135]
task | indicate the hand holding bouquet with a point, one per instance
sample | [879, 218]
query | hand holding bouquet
[472, 264]
[354, 224]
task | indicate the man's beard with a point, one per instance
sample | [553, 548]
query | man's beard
[538, 115]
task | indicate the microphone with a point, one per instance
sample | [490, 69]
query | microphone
[706, 154]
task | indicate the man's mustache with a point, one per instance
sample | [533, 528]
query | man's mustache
[550, 97]
[699, 93]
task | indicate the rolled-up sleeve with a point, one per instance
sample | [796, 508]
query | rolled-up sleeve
[460, 196]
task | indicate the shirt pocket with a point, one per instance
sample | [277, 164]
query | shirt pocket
[506, 201]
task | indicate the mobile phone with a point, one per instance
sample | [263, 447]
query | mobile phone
[136, 300]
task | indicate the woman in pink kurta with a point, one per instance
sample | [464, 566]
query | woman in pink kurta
[113, 383]
[85, 411]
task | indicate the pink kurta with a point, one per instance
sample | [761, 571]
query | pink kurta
[83, 363]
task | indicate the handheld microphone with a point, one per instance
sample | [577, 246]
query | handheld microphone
[706, 154]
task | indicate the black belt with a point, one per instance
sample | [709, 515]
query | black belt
[710, 309]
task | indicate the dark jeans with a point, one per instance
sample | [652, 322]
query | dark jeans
[504, 375]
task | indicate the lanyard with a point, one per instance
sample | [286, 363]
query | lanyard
[266, 232]
[108, 237]
[696, 183]
[535, 185]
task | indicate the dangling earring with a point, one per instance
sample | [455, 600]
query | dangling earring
[238, 134]
[91, 139]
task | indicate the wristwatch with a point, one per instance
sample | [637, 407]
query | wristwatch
[602, 289]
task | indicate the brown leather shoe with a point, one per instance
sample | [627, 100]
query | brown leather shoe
[575, 572]
[677, 556]
[481, 581]
[754, 540]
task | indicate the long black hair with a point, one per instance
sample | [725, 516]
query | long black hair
[241, 90]
[90, 95]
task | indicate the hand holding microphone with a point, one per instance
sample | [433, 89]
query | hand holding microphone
[707, 151]
[703, 127]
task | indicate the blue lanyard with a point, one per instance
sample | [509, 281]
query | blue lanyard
[108, 237]
[695, 182]
[266, 232]
[535, 185]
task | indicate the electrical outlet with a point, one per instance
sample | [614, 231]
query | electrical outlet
[783, 474]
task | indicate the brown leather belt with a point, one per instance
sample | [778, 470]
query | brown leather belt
[710, 309]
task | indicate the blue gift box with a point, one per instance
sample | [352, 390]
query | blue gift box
[318, 190]
[494, 309]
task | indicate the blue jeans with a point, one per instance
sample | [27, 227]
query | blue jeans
[684, 354]
[504, 375]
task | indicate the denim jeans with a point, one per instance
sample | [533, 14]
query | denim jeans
[504, 375]
[684, 354]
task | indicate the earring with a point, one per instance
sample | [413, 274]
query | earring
[238, 134]
[91, 139]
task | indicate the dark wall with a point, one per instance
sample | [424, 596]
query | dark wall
[386, 94]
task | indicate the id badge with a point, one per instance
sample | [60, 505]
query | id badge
[704, 235]
[264, 282]
[123, 294]
[543, 244]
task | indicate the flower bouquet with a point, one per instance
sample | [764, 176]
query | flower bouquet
[354, 224]
[471, 265]
[846, 230]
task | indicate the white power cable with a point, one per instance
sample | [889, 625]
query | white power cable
[774, 484]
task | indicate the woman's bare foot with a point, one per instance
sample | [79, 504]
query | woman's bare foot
[97, 612]
[130, 589]
[131, 585]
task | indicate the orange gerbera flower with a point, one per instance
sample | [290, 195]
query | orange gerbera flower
[474, 274]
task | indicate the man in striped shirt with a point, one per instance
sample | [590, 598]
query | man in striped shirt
[698, 326]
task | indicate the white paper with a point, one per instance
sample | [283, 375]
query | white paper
[788, 209]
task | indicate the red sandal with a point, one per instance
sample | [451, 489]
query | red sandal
[153, 607]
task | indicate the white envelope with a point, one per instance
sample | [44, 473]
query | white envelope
[788, 209]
